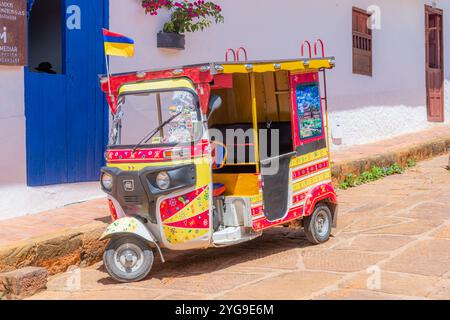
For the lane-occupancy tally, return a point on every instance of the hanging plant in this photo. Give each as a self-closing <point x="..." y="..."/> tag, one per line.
<point x="185" y="16"/>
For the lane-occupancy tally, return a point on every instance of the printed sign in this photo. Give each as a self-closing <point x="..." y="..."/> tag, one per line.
<point x="13" y="32"/>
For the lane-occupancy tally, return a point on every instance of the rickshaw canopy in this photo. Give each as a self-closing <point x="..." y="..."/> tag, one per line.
<point x="200" y="76"/>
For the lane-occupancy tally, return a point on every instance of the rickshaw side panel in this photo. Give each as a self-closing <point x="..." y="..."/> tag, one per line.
<point x="310" y="170"/>
<point x="310" y="183"/>
<point x="185" y="218"/>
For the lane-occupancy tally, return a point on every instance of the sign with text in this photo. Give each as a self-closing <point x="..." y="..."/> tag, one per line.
<point x="13" y="32"/>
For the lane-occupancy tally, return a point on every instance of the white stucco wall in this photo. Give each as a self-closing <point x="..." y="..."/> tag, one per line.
<point x="367" y="109"/>
<point x="12" y="126"/>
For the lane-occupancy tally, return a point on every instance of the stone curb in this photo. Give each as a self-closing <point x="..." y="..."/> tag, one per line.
<point x="80" y="246"/>
<point x="56" y="252"/>
<point x="23" y="282"/>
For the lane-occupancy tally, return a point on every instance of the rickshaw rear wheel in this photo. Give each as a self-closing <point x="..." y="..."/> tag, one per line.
<point x="318" y="225"/>
<point x="128" y="259"/>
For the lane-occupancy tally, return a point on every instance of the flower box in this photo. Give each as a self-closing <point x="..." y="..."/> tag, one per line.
<point x="171" y="40"/>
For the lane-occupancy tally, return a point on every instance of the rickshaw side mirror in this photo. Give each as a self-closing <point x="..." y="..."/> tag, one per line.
<point x="214" y="104"/>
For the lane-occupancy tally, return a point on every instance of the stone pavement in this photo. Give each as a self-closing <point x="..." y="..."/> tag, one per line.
<point x="392" y="242"/>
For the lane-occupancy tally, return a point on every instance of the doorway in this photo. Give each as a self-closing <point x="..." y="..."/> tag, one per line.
<point x="66" y="112"/>
<point x="434" y="63"/>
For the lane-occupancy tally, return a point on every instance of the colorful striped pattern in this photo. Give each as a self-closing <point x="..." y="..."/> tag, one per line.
<point x="307" y="173"/>
<point x="117" y="44"/>
<point x="180" y="219"/>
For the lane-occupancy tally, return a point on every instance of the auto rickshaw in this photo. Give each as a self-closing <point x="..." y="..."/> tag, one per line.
<point x="214" y="154"/>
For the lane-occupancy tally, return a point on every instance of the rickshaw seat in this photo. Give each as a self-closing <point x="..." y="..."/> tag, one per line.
<point x="219" y="189"/>
<point x="285" y="133"/>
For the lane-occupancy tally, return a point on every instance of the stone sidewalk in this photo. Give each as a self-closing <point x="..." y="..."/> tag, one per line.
<point x="67" y="236"/>
<point x="392" y="242"/>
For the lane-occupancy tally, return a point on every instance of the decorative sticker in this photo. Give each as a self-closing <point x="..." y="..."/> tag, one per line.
<point x="186" y="217"/>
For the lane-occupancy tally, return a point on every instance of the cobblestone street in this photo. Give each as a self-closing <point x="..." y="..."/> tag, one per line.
<point x="392" y="242"/>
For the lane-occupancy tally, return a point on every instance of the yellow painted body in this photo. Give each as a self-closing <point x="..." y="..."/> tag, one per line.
<point x="261" y="67"/>
<point x="238" y="184"/>
<point x="157" y="85"/>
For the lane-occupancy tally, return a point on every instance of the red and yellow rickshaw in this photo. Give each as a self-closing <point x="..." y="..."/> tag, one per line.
<point x="214" y="154"/>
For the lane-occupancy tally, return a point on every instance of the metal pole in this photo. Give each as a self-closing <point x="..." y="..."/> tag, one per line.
<point x="326" y="113"/>
<point x="109" y="78"/>
<point x="158" y="103"/>
<point x="255" y="119"/>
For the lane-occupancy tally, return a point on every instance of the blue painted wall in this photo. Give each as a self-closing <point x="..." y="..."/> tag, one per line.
<point x="66" y="114"/>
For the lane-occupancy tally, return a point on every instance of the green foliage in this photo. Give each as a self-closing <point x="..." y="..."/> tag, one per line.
<point x="186" y="16"/>
<point x="411" y="162"/>
<point x="375" y="173"/>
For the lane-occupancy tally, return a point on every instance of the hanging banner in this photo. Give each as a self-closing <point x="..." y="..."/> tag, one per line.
<point x="13" y="32"/>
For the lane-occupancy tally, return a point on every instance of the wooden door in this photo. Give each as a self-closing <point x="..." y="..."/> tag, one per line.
<point x="434" y="63"/>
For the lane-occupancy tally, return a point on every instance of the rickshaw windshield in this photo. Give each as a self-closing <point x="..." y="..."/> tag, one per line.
<point x="141" y="113"/>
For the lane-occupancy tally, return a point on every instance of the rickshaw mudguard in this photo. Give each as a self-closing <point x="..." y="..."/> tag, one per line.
<point x="322" y="193"/>
<point x="132" y="227"/>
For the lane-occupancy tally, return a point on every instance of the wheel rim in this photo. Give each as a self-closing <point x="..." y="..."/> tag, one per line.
<point x="322" y="223"/>
<point x="129" y="258"/>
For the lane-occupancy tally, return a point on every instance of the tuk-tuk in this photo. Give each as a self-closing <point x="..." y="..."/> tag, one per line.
<point x="214" y="154"/>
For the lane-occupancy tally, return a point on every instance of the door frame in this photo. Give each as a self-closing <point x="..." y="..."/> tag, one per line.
<point x="429" y="10"/>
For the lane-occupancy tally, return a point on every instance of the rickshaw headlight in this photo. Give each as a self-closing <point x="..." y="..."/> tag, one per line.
<point x="163" y="180"/>
<point x="107" y="181"/>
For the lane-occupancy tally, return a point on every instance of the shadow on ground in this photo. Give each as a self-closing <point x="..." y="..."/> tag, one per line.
<point x="196" y="262"/>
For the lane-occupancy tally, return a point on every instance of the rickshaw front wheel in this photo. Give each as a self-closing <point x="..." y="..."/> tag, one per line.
<point x="318" y="225"/>
<point x="128" y="259"/>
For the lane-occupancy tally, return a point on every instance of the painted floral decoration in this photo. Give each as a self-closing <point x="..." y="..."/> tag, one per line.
<point x="186" y="16"/>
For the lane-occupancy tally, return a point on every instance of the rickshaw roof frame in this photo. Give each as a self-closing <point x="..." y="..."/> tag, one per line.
<point x="203" y="73"/>
<point x="297" y="64"/>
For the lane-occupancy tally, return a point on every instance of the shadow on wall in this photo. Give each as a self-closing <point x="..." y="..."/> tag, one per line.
<point x="375" y="123"/>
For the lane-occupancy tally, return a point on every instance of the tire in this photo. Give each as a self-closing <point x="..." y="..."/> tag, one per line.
<point x="128" y="259"/>
<point x="318" y="225"/>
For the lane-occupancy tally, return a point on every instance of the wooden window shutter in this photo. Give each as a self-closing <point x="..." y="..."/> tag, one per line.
<point x="362" y="43"/>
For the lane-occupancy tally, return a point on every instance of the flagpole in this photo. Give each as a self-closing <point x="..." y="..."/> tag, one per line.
<point x="109" y="78"/>
<point x="107" y="70"/>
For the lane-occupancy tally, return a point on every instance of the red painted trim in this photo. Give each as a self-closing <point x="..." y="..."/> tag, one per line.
<point x="299" y="211"/>
<point x="238" y="51"/>
<point x="322" y="192"/>
<point x="195" y="74"/>
<point x="156" y="154"/>
<point x="297" y="174"/>
<point x="227" y="54"/>
<point x="303" y="49"/>
<point x="256" y="211"/>
<point x="299" y="198"/>
<point x="263" y="223"/>
<point x="200" y="221"/>
<point x="222" y="81"/>
<point x="112" y="210"/>
<point x="322" y="46"/>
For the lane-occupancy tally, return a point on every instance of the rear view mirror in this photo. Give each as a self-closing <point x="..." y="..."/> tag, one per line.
<point x="214" y="104"/>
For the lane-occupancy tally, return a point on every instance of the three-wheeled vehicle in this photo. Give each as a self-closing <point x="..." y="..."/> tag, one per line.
<point x="213" y="154"/>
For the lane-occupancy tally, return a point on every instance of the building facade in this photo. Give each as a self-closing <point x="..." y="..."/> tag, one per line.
<point x="53" y="127"/>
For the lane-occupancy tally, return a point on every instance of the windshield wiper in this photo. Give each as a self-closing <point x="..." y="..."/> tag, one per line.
<point x="155" y="131"/>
